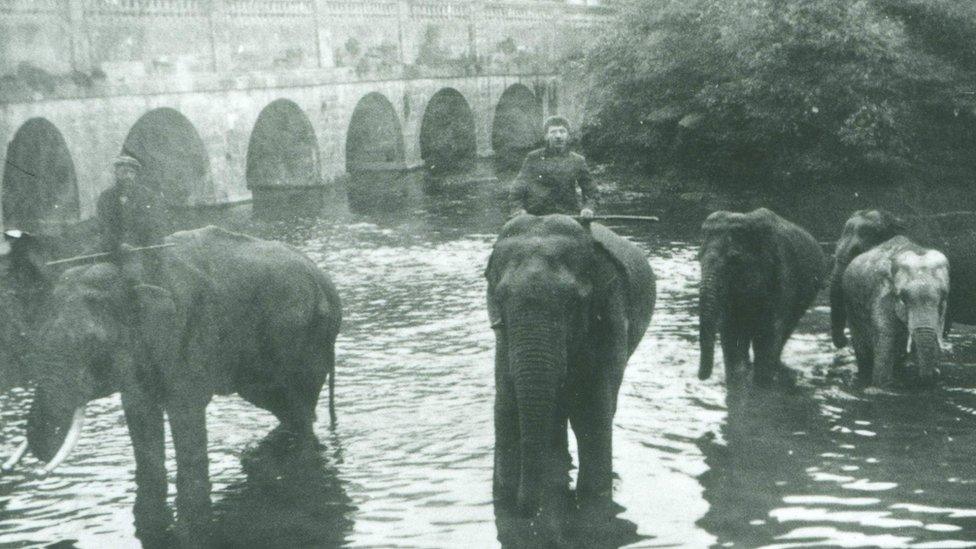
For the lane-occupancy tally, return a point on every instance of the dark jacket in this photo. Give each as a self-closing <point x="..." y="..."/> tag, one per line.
<point x="133" y="215"/>
<point x="547" y="184"/>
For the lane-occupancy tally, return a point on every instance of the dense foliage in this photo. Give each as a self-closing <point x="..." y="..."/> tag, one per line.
<point x="774" y="90"/>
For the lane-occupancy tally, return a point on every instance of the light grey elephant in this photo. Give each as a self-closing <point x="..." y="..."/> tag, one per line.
<point x="896" y="295"/>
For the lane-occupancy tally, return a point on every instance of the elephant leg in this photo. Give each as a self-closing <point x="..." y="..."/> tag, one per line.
<point x="735" y="349"/>
<point x="188" y="423"/>
<point x="863" y="353"/>
<point x="766" y="345"/>
<point x="887" y="353"/>
<point x="300" y="362"/>
<point x="505" y="480"/>
<point x="560" y="444"/>
<point x="592" y="421"/>
<point x="144" y="419"/>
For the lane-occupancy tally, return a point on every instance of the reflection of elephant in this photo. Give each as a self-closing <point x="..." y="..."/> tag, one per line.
<point x="230" y="314"/>
<point x="760" y="273"/>
<point x="292" y="497"/>
<point x="896" y="295"/>
<point x="590" y="527"/>
<point x="568" y="307"/>
<point x="953" y="234"/>
<point x="769" y="443"/>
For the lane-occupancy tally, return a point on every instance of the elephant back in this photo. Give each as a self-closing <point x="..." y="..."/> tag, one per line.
<point x="641" y="282"/>
<point x="810" y="256"/>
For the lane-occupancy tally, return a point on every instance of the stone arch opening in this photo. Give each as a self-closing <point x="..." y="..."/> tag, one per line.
<point x="447" y="136"/>
<point x="173" y="156"/>
<point x="39" y="186"/>
<point x="517" y="126"/>
<point x="374" y="140"/>
<point x="283" y="150"/>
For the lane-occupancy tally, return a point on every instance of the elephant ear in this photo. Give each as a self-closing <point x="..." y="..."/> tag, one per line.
<point x="494" y="315"/>
<point x="888" y="283"/>
<point x="625" y="262"/>
<point x="160" y="323"/>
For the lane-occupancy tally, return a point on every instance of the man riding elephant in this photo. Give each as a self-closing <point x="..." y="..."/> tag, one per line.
<point x="550" y="176"/>
<point x="128" y="211"/>
<point x="131" y="214"/>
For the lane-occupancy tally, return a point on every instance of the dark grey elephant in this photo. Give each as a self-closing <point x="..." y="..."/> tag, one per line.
<point x="568" y="306"/>
<point x="760" y="273"/>
<point x="896" y="301"/>
<point x="227" y="313"/>
<point x="953" y="234"/>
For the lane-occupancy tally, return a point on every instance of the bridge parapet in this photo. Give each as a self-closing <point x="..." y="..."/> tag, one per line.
<point x="85" y="48"/>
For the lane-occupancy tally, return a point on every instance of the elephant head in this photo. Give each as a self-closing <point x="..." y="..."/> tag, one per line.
<point x="547" y="281"/>
<point x="737" y="269"/>
<point x="919" y="285"/>
<point x="84" y="338"/>
<point x="77" y="342"/>
<point x="864" y="230"/>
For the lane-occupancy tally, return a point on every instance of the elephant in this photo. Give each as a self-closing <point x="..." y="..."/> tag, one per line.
<point x="953" y="234"/>
<point x="227" y="313"/>
<point x="896" y="300"/>
<point x="760" y="273"/>
<point x="568" y="306"/>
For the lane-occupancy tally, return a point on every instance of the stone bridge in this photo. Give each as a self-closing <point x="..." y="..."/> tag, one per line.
<point x="221" y="97"/>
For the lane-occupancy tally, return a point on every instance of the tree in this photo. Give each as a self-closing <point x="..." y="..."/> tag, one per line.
<point x="767" y="90"/>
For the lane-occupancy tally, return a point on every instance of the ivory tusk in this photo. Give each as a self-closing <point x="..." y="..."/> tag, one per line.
<point x="909" y="349"/>
<point x="15" y="458"/>
<point x="70" y="440"/>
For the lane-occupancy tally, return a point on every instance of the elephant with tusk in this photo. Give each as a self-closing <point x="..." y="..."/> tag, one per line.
<point x="226" y="313"/>
<point x="952" y="233"/>
<point x="568" y="306"/>
<point x="896" y="301"/>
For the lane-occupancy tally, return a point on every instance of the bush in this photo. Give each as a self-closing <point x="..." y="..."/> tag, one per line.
<point x="773" y="90"/>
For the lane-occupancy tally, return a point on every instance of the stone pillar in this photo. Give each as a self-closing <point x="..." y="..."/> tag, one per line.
<point x="323" y="34"/>
<point x="219" y="37"/>
<point x="475" y="11"/>
<point x="80" y="47"/>
<point x="404" y="37"/>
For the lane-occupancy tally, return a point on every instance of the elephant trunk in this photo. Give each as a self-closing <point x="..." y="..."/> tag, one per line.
<point x="838" y="314"/>
<point x="924" y="333"/>
<point x="537" y="358"/>
<point x="707" y="324"/>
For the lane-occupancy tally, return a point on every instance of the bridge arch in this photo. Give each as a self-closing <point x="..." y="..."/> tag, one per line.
<point x="282" y="150"/>
<point x="173" y="156"/>
<point x="517" y="126"/>
<point x="447" y="134"/>
<point x="39" y="182"/>
<point x="374" y="140"/>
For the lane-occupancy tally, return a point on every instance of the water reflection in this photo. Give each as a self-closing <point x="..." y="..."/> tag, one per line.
<point x="832" y="465"/>
<point x="572" y="528"/>
<point x="292" y="496"/>
<point x="763" y="451"/>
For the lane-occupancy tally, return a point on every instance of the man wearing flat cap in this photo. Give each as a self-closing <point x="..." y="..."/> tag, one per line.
<point x="129" y="212"/>
<point x="549" y="177"/>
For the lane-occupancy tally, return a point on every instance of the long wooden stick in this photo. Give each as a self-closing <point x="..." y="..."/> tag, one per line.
<point x="647" y="218"/>
<point x="103" y="255"/>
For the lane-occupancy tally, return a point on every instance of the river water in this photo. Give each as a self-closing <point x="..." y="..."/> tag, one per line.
<point x="409" y="463"/>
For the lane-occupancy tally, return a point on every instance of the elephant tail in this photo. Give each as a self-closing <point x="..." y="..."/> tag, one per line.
<point x="332" y="412"/>
<point x="329" y="321"/>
